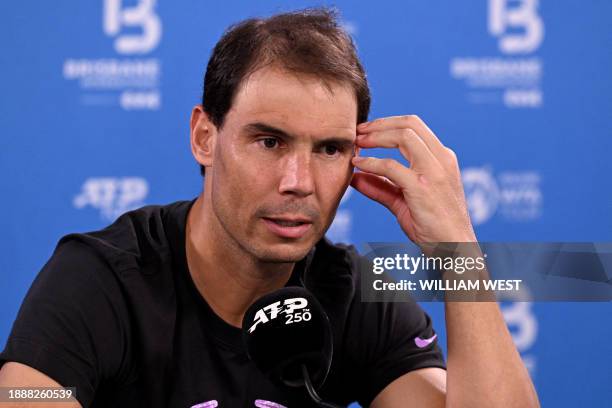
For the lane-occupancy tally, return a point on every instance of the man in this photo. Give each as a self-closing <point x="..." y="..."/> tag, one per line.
<point x="147" y="311"/>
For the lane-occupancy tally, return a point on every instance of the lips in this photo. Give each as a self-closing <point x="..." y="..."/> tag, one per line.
<point x="288" y="227"/>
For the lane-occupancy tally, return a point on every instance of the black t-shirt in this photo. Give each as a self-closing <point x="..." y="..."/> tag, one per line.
<point x="116" y="314"/>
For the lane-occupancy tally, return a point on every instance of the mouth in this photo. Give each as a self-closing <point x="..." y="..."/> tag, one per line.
<point x="288" y="227"/>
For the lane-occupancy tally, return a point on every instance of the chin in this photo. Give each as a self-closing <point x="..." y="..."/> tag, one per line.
<point x="283" y="253"/>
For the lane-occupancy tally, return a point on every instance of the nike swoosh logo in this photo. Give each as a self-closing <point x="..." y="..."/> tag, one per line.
<point x="421" y="343"/>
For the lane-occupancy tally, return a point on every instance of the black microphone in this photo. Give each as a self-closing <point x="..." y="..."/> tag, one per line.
<point x="288" y="336"/>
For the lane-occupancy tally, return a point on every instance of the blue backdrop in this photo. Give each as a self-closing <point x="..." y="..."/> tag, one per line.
<point x="96" y="98"/>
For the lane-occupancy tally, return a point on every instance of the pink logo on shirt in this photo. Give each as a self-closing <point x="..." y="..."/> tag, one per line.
<point x="268" y="404"/>
<point x="207" y="404"/>
<point x="420" y="343"/>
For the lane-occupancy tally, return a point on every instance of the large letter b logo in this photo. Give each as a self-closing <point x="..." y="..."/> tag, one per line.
<point x="142" y="15"/>
<point x="525" y="16"/>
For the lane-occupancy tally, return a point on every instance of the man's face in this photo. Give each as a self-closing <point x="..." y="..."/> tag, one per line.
<point x="282" y="162"/>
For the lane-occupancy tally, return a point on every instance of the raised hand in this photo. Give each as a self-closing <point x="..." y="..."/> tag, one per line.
<point x="427" y="197"/>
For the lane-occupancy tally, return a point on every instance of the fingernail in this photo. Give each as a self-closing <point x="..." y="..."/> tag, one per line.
<point x="358" y="159"/>
<point x="363" y="125"/>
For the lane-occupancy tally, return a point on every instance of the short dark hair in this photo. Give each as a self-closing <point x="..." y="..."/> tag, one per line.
<point x="308" y="41"/>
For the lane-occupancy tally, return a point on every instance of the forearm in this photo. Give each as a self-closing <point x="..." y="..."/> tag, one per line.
<point x="484" y="367"/>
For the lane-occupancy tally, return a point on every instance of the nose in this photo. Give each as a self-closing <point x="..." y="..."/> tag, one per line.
<point x="297" y="175"/>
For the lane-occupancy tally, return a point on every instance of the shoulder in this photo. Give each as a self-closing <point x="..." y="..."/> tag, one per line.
<point x="127" y="265"/>
<point x="139" y="237"/>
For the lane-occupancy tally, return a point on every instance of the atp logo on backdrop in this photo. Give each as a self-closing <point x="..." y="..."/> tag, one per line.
<point x="514" y="195"/>
<point x="130" y="78"/>
<point x="514" y="77"/>
<point x="112" y="196"/>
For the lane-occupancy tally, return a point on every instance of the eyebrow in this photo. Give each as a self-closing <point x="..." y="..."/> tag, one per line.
<point x="260" y="127"/>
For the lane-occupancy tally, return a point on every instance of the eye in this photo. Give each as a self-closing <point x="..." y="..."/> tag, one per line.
<point x="269" y="142"/>
<point x="331" y="150"/>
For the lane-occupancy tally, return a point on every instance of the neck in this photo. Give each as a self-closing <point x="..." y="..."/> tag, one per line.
<point x="227" y="277"/>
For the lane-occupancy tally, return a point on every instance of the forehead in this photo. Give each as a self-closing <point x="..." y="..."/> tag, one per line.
<point x="299" y="103"/>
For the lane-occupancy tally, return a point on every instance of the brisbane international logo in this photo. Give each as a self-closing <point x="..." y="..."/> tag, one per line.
<point x="127" y="74"/>
<point x="512" y="77"/>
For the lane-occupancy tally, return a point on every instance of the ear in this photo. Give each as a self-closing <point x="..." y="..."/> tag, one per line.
<point x="203" y="136"/>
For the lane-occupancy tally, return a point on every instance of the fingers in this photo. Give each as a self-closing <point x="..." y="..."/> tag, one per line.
<point x="378" y="189"/>
<point x="400" y="175"/>
<point x="406" y="121"/>
<point x="388" y="194"/>
<point x="411" y="146"/>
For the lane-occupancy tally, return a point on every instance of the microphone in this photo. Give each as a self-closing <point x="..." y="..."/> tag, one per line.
<point x="288" y="336"/>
